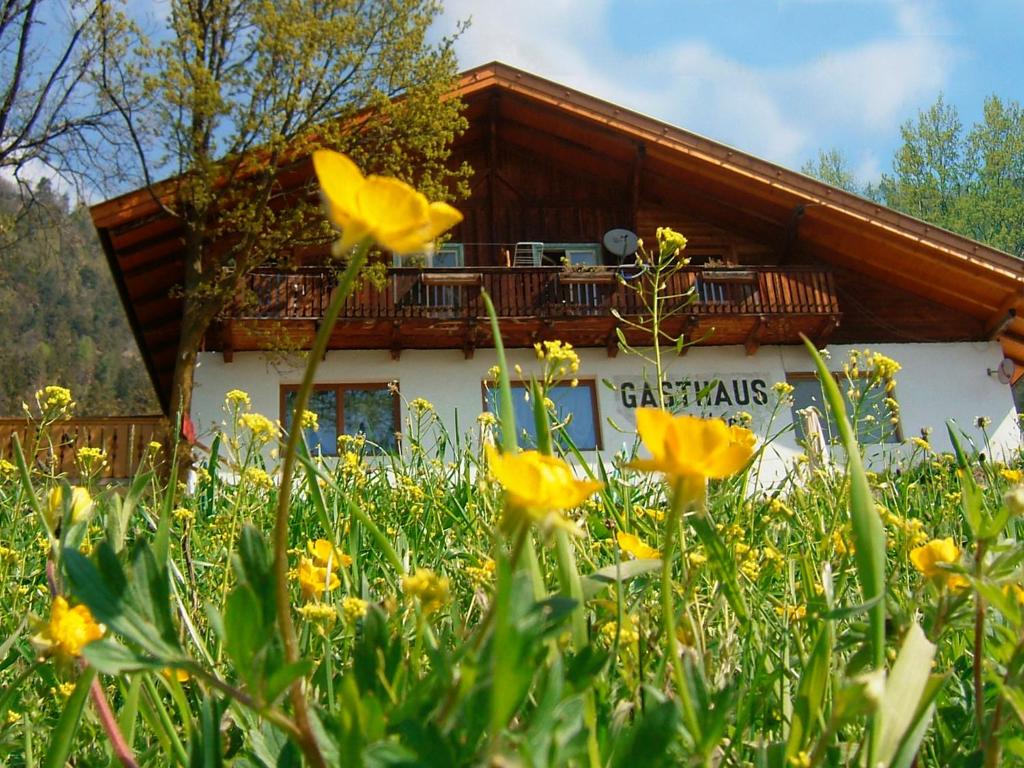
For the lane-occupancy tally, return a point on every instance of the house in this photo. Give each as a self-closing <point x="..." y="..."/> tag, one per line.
<point x="562" y="177"/>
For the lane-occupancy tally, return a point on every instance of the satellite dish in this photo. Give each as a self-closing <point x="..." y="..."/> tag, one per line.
<point x="621" y="242"/>
<point x="1006" y="370"/>
<point x="1004" y="373"/>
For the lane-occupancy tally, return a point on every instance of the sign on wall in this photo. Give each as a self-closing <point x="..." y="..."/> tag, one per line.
<point x="720" y="395"/>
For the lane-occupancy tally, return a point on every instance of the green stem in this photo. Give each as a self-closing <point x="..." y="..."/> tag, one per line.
<point x="680" y="500"/>
<point x="306" y="739"/>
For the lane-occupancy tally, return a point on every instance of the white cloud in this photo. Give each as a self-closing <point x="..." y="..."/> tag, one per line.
<point x="784" y="113"/>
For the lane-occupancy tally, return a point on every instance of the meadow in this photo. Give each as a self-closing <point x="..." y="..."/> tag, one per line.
<point x="468" y="602"/>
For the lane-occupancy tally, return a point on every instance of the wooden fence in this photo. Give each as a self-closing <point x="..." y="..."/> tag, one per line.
<point x="124" y="439"/>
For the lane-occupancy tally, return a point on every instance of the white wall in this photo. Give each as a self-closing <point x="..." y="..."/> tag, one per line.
<point x="937" y="382"/>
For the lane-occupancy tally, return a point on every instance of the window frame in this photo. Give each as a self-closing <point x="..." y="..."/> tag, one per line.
<point x="339" y="417"/>
<point x="591" y="383"/>
<point x="566" y="248"/>
<point x="839" y="377"/>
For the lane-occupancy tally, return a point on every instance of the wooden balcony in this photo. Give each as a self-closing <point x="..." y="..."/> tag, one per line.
<point x="442" y="308"/>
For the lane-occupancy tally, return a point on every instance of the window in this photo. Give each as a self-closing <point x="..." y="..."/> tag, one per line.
<point x="347" y="409"/>
<point x="579" y="402"/>
<point x="443" y="297"/>
<point x="874" y="416"/>
<point x="447" y="255"/>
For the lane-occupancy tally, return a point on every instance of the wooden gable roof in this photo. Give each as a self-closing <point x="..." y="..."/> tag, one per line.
<point x="654" y="167"/>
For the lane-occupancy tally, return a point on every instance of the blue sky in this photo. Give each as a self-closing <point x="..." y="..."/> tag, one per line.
<point x="777" y="78"/>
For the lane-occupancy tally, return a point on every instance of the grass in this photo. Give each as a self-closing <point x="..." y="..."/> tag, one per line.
<point x="490" y="659"/>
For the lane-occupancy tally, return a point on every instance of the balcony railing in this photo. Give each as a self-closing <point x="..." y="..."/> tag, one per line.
<point x="540" y="292"/>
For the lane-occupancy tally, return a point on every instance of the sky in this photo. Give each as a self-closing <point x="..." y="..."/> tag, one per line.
<point x="780" y="79"/>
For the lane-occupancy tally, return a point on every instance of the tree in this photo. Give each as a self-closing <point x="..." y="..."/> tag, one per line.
<point x="994" y="209"/>
<point x="930" y="175"/>
<point x="239" y="92"/>
<point x="832" y="167"/>
<point x="50" y="116"/>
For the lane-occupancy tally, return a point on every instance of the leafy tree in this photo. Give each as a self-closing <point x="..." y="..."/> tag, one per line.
<point x="930" y="175"/>
<point x="994" y="207"/>
<point x="237" y="93"/>
<point x="50" y="115"/>
<point x="968" y="182"/>
<point x="832" y="167"/>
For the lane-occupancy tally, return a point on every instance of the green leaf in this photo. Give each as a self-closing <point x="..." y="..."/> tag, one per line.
<point x="918" y="727"/>
<point x="151" y="591"/>
<point x="646" y="742"/>
<point x="810" y="694"/>
<point x="63" y="737"/>
<point x="868" y="536"/>
<point x="204" y="746"/>
<point x="103" y="592"/>
<point x="506" y="415"/>
<point x="721" y="562"/>
<point x="243" y="627"/>
<point x="316" y="495"/>
<point x="282" y="677"/>
<point x="970" y="494"/>
<point x="112" y="658"/>
<point x="905" y="689"/>
<point x="622" y="572"/>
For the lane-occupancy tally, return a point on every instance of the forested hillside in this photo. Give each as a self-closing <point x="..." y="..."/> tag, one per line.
<point x="61" y="318"/>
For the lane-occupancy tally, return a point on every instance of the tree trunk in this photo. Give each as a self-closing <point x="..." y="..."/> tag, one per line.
<point x="196" y="316"/>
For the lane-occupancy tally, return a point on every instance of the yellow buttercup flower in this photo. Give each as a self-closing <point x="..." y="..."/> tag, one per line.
<point x="632" y="545"/>
<point x="538" y="484"/>
<point x="1012" y="475"/>
<point x="928" y="557"/>
<point x="324" y="552"/>
<point x="430" y="589"/>
<point x="689" y="446"/>
<point x="68" y="631"/>
<point x="314" y="580"/>
<point x="81" y="505"/>
<point x="387" y="210"/>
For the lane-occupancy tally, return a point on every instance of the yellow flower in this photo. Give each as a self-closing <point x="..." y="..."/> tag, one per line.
<point x="536" y="483"/>
<point x="309" y="420"/>
<point x="176" y="673"/>
<point x="262" y="428"/>
<point x="928" y="557"/>
<point x="68" y="630"/>
<point x="236" y="397"/>
<point x="325" y="554"/>
<point x="354" y="609"/>
<point x="387" y="210"/>
<point x="429" y="588"/>
<point x="81" y="505"/>
<point x="690" y="446"/>
<point x="314" y="580"/>
<point x="632" y="545"/>
<point x="670" y="242"/>
<point x="1012" y="475"/>
<point x="318" y="612"/>
<point x="697" y="559"/>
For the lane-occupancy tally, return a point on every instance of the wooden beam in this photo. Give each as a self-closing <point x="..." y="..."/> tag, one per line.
<point x="829" y="324"/>
<point x="469" y="341"/>
<point x="1003" y="316"/>
<point x="611" y="344"/>
<point x="396" y="342"/>
<point x="754" y="339"/>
